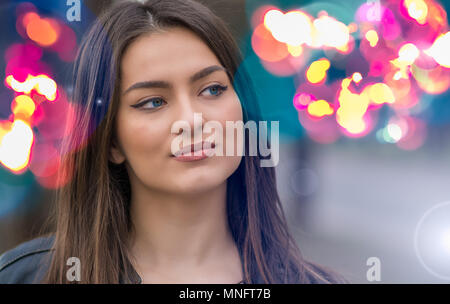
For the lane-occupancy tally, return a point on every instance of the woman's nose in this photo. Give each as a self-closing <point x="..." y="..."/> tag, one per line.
<point x="189" y="113"/>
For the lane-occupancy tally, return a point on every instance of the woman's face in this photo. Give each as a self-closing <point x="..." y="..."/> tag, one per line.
<point x="146" y="112"/>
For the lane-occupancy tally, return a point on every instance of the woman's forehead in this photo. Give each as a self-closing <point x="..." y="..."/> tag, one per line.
<point x="159" y="55"/>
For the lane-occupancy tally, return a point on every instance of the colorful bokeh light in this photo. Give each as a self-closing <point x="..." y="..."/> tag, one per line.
<point x="393" y="53"/>
<point x="40" y="111"/>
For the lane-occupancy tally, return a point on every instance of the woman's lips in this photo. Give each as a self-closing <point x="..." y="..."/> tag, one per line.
<point x="195" y="152"/>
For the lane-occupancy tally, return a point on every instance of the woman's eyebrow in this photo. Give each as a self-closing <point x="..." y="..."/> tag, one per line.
<point x="166" y="85"/>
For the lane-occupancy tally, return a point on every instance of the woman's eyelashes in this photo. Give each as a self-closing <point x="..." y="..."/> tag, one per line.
<point x="217" y="89"/>
<point x="154" y="103"/>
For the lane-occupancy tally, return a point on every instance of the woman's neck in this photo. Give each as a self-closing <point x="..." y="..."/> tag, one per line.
<point x="180" y="235"/>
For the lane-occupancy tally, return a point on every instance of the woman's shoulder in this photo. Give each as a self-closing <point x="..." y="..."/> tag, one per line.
<point x="27" y="262"/>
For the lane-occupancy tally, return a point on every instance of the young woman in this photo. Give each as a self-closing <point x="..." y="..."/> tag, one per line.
<point x="132" y="212"/>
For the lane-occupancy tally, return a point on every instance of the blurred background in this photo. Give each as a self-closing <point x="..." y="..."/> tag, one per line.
<point x="361" y="91"/>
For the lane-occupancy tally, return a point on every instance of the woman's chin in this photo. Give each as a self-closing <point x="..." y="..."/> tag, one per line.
<point x="195" y="184"/>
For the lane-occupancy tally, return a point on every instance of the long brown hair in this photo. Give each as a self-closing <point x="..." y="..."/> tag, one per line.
<point x="92" y="211"/>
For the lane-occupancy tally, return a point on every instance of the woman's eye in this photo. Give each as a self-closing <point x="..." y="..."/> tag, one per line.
<point x="150" y="103"/>
<point x="153" y="103"/>
<point x="215" y="90"/>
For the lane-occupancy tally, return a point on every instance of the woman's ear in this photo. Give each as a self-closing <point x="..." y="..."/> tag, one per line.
<point x="115" y="153"/>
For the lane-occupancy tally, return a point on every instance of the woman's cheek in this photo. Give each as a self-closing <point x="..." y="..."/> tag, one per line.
<point x="148" y="141"/>
<point x="141" y="139"/>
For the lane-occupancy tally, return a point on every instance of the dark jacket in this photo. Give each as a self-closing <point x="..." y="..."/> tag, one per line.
<point x="26" y="263"/>
<point x="29" y="262"/>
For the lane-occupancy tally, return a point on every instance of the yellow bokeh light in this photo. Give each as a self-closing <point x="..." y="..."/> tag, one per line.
<point x="352" y="108"/>
<point x="41" y="83"/>
<point x="398" y="75"/>
<point x="357" y="77"/>
<point x="317" y="71"/>
<point x="331" y="33"/>
<point x="380" y="93"/>
<point x="372" y="37"/>
<point x="408" y="53"/>
<point x="440" y="50"/>
<point x="23" y="104"/>
<point x="15" y="146"/>
<point x="417" y="9"/>
<point x="434" y="81"/>
<point x="5" y="127"/>
<point x="320" y="108"/>
<point x="297" y="28"/>
<point x="293" y="28"/>
<point x="295" y="51"/>
<point x="271" y="18"/>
